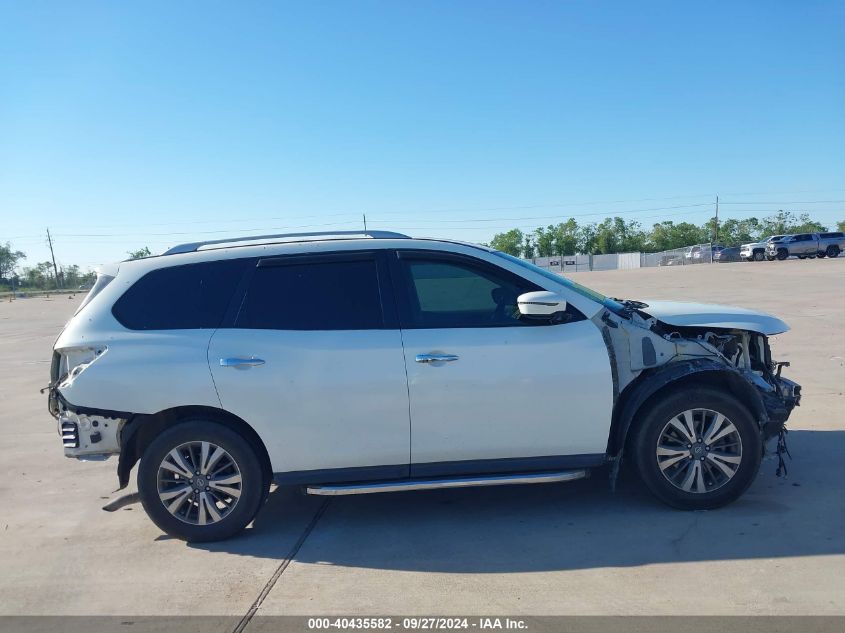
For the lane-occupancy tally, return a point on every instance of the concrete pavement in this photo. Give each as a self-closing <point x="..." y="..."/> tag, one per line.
<point x="552" y="549"/>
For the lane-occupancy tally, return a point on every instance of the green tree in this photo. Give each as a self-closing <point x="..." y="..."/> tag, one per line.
<point x="40" y="276"/>
<point x="528" y="247"/>
<point x="71" y="276"/>
<point x="9" y="260"/>
<point x="807" y="225"/>
<point x="787" y="222"/>
<point x="544" y="239"/>
<point x="586" y="238"/>
<point x="840" y="226"/>
<point x="667" y="235"/>
<point x="557" y="239"/>
<point x="510" y="242"/>
<point x="140" y="253"/>
<point x="735" y="232"/>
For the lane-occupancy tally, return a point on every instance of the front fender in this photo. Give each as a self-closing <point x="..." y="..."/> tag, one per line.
<point x="651" y="382"/>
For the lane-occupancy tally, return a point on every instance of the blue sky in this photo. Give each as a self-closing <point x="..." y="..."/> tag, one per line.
<point x="131" y="124"/>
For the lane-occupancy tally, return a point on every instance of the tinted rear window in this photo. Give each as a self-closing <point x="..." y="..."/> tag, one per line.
<point x="194" y="296"/>
<point x="835" y="234"/>
<point x="331" y="295"/>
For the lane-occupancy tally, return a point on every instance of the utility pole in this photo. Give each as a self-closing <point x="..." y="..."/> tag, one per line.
<point x="716" y="228"/>
<point x="365" y="222"/>
<point x="55" y="268"/>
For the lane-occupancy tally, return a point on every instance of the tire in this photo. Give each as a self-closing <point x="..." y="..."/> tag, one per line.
<point x="758" y="256"/>
<point x="235" y="499"/>
<point x="667" y="482"/>
<point x="832" y="251"/>
<point x="813" y="256"/>
<point x="782" y="254"/>
<point x="802" y="257"/>
<point x="822" y="254"/>
<point x="770" y="258"/>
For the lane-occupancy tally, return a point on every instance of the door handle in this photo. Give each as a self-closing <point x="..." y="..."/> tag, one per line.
<point x="435" y="358"/>
<point x="240" y="362"/>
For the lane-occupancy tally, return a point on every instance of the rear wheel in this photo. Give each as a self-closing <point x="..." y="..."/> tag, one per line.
<point x="822" y="254"/>
<point x="832" y="251"/>
<point x="201" y="481"/>
<point x="782" y="254"/>
<point x="697" y="449"/>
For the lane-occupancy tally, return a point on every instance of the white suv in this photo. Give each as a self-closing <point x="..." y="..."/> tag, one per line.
<point x="373" y="362"/>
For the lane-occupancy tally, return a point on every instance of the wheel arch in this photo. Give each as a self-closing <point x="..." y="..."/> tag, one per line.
<point x="144" y="428"/>
<point x="650" y="386"/>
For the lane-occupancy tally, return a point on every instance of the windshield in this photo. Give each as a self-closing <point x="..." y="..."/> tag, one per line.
<point x="581" y="290"/>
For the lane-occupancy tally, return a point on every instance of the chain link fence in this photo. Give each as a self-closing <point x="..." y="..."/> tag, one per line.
<point x="696" y="254"/>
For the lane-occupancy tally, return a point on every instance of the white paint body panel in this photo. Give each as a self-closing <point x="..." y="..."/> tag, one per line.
<point x="323" y="399"/>
<point x="683" y="314"/>
<point x="343" y="399"/>
<point x="513" y="392"/>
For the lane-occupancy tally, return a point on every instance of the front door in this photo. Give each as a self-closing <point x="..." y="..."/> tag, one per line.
<point x="314" y="364"/>
<point x="490" y="391"/>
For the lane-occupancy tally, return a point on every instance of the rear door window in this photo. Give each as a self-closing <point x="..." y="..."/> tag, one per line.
<point x="313" y="293"/>
<point x="193" y="296"/>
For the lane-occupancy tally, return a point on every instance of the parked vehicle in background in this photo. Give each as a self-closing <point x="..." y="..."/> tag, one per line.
<point x="756" y="251"/>
<point x="728" y="254"/>
<point x="801" y="245"/>
<point x="831" y="244"/>
<point x="705" y="253"/>
<point x="672" y="259"/>
<point x="374" y="362"/>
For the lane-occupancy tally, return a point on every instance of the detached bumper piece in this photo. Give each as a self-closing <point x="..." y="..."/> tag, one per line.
<point x="69" y="430"/>
<point x="89" y="437"/>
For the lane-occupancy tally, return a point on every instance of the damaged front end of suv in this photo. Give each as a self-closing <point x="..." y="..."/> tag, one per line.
<point x="657" y="346"/>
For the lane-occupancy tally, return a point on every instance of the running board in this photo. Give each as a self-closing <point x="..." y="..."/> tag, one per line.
<point x="453" y="482"/>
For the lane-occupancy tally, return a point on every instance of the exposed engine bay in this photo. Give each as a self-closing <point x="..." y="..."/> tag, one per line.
<point x="649" y="354"/>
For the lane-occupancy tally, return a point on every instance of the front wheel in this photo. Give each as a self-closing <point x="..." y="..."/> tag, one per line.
<point x="201" y="481"/>
<point x="782" y="254"/>
<point x="697" y="449"/>
<point x="833" y="250"/>
<point x="758" y="256"/>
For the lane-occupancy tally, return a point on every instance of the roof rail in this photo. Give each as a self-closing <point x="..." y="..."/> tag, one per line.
<point x="281" y="237"/>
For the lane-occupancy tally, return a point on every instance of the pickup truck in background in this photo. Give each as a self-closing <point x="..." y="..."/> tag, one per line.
<point x="801" y="245"/>
<point x="756" y="251"/>
<point x="831" y="244"/>
<point x="807" y="246"/>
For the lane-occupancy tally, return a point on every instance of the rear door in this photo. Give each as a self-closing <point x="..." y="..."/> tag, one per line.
<point x="313" y="361"/>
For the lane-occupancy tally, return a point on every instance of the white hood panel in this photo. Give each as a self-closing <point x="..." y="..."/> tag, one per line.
<point x="683" y="314"/>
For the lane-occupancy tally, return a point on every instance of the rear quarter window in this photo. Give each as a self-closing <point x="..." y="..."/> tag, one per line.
<point x="193" y="296"/>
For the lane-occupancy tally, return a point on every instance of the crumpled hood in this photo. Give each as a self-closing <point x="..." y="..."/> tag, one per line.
<point x="683" y="314"/>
